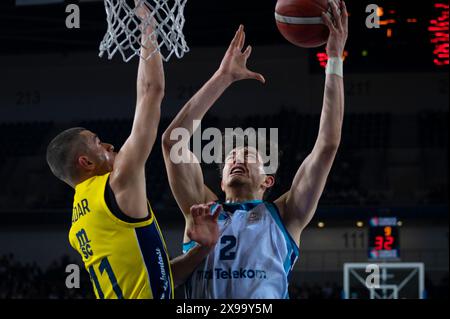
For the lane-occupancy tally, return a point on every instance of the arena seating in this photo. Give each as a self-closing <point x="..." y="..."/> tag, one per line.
<point x="361" y="133"/>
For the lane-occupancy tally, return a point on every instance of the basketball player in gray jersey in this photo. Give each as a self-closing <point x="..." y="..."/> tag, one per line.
<point x="259" y="240"/>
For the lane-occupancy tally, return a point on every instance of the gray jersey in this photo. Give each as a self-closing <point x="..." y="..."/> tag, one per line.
<point x="252" y="259"/>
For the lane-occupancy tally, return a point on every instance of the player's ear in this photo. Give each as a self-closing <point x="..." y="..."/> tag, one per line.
<point x="85" y="163"/>
<point x="269" y="181"/>
<point x="221" y="185"/>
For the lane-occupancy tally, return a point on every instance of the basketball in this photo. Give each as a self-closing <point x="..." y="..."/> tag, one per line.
<point x="300" y="22"/>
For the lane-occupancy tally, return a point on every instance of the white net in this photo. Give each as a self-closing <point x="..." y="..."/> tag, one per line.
<point x="127" y="21"/>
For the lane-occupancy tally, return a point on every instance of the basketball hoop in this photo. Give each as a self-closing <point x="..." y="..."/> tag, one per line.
<point x="126" y="24"/>
<point x="398" y="280"/>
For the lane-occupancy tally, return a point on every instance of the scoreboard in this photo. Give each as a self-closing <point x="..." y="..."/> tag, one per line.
<point x="407" y="37"/>
<point x="383" y="238"/>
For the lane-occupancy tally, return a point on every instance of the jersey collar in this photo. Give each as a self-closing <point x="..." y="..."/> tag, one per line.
<point x="247" y="205"/>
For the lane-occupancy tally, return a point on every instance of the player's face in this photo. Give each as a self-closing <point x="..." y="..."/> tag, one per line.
<point x="100" y="153"/>
<point x="243" y="166"/>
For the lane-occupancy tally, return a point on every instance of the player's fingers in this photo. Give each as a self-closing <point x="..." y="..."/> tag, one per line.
<point x="217" y="212"/>
<point x="327" y="21"/>
<point x="195" y="210"/>
<point x="199" y="211"/>
<point x="239" y="36"/>
<point x="256" y="76"/>
<point x="210" y="204"/>
<point x="336" y="15"/>
<point x="207" y="209"/>
<point x="235" y="39"/>
<point x="344" y="16"/>
<point x="203" y="209"/>
<point x="242" y="39"/>
<point x="248" y="52"/>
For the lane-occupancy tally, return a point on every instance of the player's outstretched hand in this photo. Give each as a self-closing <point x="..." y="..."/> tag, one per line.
<point x="337" y="23"/>
<point x="234" y="63"/>
<point x="204" y="229"/>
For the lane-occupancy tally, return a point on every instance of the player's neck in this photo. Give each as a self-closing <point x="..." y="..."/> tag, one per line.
<point x="82" y="179"/>
<point x="236" y="196"/>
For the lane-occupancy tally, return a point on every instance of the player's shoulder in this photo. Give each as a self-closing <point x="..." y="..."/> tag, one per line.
<point x="92" y="186"/>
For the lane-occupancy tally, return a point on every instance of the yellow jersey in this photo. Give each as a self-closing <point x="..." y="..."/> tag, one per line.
<point x="126" y="258"/>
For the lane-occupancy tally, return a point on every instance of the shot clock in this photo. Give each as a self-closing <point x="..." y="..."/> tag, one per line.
<point x="383" y="238"/>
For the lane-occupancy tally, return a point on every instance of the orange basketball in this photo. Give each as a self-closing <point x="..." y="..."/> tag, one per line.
<point x="300" y="21"/>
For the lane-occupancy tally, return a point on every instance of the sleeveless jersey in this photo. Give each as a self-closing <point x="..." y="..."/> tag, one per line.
<point x="125" y="258"/>
<point x="252" y="259"/>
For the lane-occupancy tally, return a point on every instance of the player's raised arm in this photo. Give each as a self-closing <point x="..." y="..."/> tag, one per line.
<point x="299" y="204"/>
<point x="150" y="92"/>
<point x="128" y="176"/>
<point x="186" y="179"/>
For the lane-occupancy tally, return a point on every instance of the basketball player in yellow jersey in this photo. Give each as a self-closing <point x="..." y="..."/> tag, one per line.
<point x="113" y="226"/>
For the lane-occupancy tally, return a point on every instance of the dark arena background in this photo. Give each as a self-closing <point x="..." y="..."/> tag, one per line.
<point x="386" y="199"/>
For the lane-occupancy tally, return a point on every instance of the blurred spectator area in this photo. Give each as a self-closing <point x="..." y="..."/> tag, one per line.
<point x="365" y="170"/>
<point x="20" y="280"/>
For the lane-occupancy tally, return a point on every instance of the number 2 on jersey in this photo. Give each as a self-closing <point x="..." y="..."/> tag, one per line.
<point x="229" y="243"/>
